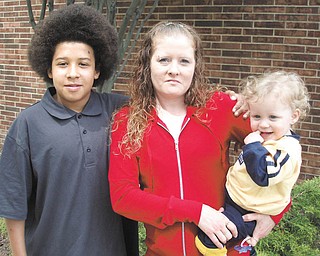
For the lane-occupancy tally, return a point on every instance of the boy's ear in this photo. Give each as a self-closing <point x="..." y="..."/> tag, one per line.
<point x="96" y="74"/>
<point x="97" y="71"/>
<point x="49" y="73"/>
<point x="295" y="116"/>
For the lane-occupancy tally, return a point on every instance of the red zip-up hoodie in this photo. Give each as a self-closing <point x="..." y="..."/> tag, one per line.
<point x="166" y="182"/>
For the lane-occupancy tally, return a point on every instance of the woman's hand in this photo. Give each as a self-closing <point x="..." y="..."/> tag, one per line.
<point x="264" y="226"/>
<point x="216" y="226"/>
<point x="241" y="105"/>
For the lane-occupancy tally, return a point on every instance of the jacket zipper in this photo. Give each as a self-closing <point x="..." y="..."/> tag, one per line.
<point x="176" y="146"/>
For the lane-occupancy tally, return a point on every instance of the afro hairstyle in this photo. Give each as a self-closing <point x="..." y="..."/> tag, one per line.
<point x="74" y="23"/>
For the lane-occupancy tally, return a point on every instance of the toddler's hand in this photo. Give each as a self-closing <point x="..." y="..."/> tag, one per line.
<point x="253" y="137"/>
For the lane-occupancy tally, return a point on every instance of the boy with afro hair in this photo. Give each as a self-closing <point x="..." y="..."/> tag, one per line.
<point x="54" y="191"/>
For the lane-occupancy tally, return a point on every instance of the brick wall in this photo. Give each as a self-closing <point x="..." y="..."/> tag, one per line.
<point x="241" y="37"/>
<point x="19" y="86"/>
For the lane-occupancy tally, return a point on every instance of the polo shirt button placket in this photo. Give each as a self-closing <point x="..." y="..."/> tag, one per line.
<point x="81" y="120"/>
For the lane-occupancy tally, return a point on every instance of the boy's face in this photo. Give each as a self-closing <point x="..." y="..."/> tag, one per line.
<point x="272" y="117"/>
<point x="73" y="73"/>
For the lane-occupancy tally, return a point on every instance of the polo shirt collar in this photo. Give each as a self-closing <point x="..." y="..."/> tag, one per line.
<point x="54" y="108"/>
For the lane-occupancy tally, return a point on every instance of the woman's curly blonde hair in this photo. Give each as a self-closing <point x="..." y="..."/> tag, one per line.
<point x="142" y="94"/>
<point x="286" y="86"/>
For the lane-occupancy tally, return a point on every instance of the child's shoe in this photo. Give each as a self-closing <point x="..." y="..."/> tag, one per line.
<point x="244" y="247"/>
<point x="207" y="251"/>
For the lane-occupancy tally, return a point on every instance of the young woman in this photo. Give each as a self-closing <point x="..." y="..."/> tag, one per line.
<point x="169" y="151"/>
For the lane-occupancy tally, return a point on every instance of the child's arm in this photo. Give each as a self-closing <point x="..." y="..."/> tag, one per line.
<point x="254" y="156"/>
<point x="15" y="229"/>
<point x="266" y="164"/>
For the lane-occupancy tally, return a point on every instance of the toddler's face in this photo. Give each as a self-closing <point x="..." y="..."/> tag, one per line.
<point x="272" y="117"/>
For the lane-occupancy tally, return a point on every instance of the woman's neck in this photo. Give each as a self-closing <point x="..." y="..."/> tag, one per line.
<point x="173" y="107"/>
<point x="172" y="115"/>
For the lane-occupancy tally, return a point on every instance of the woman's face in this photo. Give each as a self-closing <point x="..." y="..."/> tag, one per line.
<point x="73" y="73"/>
<point x="172" y="66"/>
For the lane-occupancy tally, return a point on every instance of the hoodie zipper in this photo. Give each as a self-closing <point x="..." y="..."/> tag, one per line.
<point x="176" y="146"/>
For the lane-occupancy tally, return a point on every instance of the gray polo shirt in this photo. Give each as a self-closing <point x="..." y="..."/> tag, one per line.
<point x="53" y="174"/>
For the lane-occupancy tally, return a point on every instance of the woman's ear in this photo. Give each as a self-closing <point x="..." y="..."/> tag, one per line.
<point x="295" y="116"/>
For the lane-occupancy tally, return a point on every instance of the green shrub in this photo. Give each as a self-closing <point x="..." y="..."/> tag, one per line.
<point x="298" y="233"/>
<point x="3" y="230"/>
<point x="142" y="238"/>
